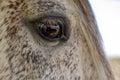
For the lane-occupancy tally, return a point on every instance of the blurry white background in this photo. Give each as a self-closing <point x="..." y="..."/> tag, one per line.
<point x="107" y="13"/>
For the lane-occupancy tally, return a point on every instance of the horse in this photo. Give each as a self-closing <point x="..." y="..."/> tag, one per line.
<point x="51" y="40"/>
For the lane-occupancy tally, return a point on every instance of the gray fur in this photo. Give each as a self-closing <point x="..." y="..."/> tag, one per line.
<point x="24" y="55"/>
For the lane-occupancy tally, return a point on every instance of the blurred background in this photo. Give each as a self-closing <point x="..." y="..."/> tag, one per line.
<point x="107" y="13"/>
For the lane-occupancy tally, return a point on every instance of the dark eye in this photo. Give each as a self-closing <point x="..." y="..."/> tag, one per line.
<point x="51" y="28"/>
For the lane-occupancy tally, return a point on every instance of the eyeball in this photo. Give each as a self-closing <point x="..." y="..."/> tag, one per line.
<point x="51" y="28"/>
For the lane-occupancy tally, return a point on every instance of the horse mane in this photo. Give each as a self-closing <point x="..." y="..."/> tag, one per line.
<point x="93" y="39"/>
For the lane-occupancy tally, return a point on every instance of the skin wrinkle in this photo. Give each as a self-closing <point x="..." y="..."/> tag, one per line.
<point x="24" y="55"/>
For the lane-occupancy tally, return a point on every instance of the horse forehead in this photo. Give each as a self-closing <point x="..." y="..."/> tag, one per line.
<point x="32" y="7"/>
<point x="47" y="3"/>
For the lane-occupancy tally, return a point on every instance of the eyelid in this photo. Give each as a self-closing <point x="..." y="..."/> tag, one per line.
<point x="62" y="18"/>
<point x="47" y="14"/>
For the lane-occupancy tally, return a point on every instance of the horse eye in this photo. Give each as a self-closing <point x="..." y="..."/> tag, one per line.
<point x="51" y="28"/>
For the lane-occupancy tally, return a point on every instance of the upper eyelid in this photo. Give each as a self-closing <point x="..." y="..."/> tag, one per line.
<point x="61" y="16"/>
<point x="43" y="15"/>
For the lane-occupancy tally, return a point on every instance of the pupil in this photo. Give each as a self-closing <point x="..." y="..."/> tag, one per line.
<point x="51" y="31"/>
